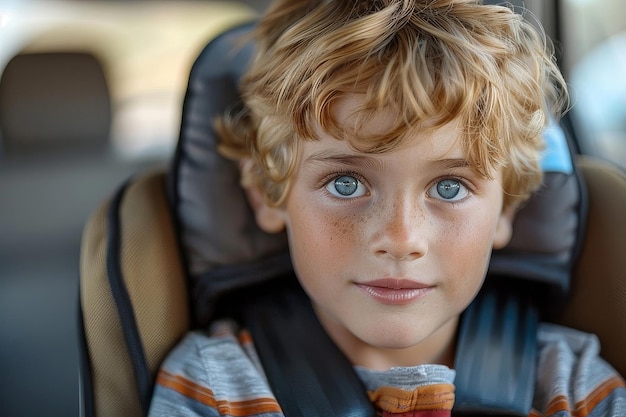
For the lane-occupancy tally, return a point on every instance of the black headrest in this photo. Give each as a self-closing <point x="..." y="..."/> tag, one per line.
<point x="548" y="230"/>
<point x="222" y="243"/>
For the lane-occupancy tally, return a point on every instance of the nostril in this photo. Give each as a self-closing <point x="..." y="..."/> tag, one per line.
<point x="400" y="255"/>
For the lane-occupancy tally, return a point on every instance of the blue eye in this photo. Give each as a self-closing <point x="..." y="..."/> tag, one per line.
<point x="448" y="190"/>
<point x="346" y="186"/>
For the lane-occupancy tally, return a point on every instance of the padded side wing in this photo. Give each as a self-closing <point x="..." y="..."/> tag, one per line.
<point x="549" y="228"/>
<point x="215" y="224"/>
<point x="597" y="303"/>
<point x="152" y="277"/>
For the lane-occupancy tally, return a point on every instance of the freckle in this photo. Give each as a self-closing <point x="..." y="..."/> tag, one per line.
<point x="344" y="226"/>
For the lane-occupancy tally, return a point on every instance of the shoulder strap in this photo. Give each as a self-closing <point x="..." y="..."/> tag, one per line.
<point x="310" y="376"/>
<point x="496" y="354"/>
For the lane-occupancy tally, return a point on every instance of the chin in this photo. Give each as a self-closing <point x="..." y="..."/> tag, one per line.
<point x="396" y="337"/>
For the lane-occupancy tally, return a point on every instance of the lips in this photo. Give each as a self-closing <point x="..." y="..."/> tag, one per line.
<point x="393" y="291"/>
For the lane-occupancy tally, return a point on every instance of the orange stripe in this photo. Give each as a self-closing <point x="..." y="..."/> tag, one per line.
<point x="205" y="396"/>
<point x="584" y="407"/>
<point x="245" y="337"/>
<point x="558" y="403"/>
<point x="431" y="397"/>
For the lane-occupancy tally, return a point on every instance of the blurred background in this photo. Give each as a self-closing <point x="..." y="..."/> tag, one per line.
<point x="91" y="92"/>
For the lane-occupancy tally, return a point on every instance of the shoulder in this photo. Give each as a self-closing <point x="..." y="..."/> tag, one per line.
<point x="573" y="378"/>
<point x="208" y="355"/>
<point x="215" y="373"/>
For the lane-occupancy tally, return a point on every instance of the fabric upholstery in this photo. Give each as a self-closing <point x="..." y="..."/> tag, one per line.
<point x="156" y="284"/>
<point x="114" y="387"/>
<point x="597" y="302"/>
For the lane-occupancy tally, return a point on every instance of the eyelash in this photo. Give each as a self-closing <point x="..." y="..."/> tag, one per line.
<point x="336" y="174"/>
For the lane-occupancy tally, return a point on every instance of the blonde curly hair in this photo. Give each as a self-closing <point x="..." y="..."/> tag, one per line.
<point x="427" y="62"/>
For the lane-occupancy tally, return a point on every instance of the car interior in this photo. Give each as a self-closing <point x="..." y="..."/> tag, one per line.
<point x="160" y="255"/>
<point x="120" y="257"/>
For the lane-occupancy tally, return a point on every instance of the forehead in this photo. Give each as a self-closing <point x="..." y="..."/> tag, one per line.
<point x="357" y="121"/>
<point x="351" y="112"/>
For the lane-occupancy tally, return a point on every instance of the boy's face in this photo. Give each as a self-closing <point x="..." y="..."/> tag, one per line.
<point x="390" y="248"/>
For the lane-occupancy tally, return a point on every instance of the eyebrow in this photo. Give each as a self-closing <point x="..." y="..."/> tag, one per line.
<point x="326" y="157"/>
<point x="452" y="163"/>
<point x="345" y="159"/>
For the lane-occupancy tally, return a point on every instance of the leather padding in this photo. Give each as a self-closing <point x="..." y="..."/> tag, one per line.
<point x="545" y="235"/>
<point x="216" y="224"/>
<point x="597" y="302"/>
<point x="155" y="282"/>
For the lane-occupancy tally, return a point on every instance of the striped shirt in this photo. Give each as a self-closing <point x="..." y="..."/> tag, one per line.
<point x="219" y="374"/>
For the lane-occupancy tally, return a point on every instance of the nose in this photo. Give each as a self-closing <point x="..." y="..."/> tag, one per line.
<point x="402" y="231"/>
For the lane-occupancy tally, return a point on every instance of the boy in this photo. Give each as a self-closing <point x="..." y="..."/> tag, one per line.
<point x="393" y="140"/>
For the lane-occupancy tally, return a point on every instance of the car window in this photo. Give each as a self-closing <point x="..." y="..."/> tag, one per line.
<point x="593" y="43"/>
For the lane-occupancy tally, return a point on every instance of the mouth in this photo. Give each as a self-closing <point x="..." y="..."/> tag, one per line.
<point x="393" y="291"/>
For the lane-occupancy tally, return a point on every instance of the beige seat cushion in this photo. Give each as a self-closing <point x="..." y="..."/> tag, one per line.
<point x="598" y="299"/>
<point x="154" y="277"/>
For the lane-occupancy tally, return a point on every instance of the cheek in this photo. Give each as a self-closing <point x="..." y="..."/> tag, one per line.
<point x="321" y="239"/>
<point x="465" y="248"/>
<point x="472" y="230"/>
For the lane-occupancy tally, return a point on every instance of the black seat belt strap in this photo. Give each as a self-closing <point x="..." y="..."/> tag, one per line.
<point x="496" y="354"/>
<point x="308" y="374"/>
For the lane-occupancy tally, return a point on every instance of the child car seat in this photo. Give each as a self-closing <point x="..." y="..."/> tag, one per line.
<point x="158" y="257"/>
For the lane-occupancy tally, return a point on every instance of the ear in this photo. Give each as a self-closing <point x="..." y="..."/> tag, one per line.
<point x="270" y="219"/>
<point x="504" y="228"/>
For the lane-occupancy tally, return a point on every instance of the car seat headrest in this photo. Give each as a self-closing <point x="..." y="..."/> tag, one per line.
<point x="218" y="234"/>
<point x="547" y="231"/>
